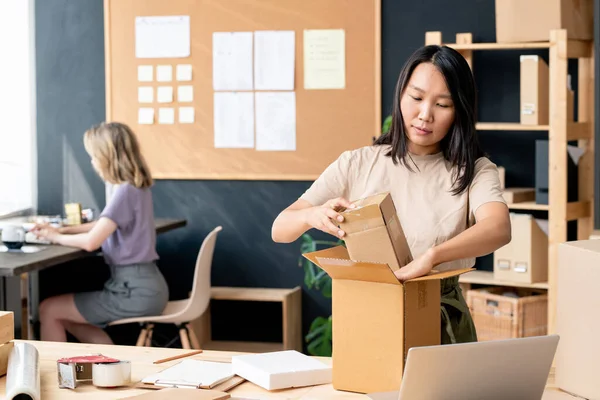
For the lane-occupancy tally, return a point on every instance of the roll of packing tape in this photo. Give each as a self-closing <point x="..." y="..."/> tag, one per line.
<point x="111" y="374"/>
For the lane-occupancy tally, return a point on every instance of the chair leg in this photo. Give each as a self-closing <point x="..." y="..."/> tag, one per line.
<point x="142" y="337"/>
<point x="193" y="337"/>
<point x="149" y="337"/>
<point x="185" y="339"/>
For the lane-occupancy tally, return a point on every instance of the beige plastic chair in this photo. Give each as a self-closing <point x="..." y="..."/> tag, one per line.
<point x="182" y="312"/>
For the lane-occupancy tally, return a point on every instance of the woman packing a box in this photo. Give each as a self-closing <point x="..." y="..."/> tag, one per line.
<point x="125" y="231"/>
<point x="446" y="192"/>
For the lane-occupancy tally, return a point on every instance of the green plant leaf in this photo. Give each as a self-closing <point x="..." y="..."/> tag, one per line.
<point x="319" y="338"/>
<point x="387" y="123"/>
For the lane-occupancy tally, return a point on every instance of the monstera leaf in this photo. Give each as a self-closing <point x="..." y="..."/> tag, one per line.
<point x="319" y="338"/>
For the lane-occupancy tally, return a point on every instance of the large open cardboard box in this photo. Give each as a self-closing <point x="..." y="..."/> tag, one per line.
<point x="578" y="354"/>
<point x="376" y="319"/>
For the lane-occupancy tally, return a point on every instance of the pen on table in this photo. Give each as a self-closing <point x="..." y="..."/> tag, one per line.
<point x="192" y="353"/>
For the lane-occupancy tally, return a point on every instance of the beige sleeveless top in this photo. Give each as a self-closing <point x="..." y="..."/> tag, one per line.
<point x="428" y="212"/>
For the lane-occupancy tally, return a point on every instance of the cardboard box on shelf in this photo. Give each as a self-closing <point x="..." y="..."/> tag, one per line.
<point x="534" y="86"/>
<point x="578" y="354"/>
<point x="7" y="334"/>
<point x="374" y="233"/>
<point x="518" y="195"/>
<point x="515" y="22"/>
<point x="525" y="258"/>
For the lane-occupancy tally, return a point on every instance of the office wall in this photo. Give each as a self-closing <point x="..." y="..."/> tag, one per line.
<point x="70" y="97"/>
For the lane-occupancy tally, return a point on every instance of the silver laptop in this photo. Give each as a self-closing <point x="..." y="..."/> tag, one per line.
<point x="515" y="369"/>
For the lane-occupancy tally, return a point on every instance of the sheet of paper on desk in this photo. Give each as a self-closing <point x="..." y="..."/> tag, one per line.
<point x="276" y="121"/>
<point x="232" y="61"/>
<point x="234" y="120"/>
<point x="205" y="374"/>
<point x="162" y="37"/>
<point x="274" y="55"/>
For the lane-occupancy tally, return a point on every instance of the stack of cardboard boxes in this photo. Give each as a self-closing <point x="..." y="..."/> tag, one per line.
<point x="7" y="334"/>
<point x="376" y="318"/>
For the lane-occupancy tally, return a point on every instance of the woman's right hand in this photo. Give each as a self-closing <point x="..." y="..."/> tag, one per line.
<point x="325" y="217"/>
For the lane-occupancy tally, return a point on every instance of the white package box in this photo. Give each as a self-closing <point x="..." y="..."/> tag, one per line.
<point x="281" y="369"/>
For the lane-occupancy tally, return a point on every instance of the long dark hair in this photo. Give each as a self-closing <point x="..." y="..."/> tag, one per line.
<point x="461" y="145"/>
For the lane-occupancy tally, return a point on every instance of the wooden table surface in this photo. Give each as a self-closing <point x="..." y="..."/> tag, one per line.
<point x="14" y="264"/>
<point x="141" y="359"/>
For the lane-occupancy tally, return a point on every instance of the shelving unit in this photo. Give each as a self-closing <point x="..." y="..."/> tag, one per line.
<point x="560" y="132"/>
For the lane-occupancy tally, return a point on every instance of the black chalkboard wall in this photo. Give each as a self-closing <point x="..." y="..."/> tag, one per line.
<point x="70" y="98"/>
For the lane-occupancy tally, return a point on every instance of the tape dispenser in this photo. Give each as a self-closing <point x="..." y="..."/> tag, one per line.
<point x="103" y="371"/>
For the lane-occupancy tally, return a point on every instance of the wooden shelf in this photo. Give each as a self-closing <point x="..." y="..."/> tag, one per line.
<point x="509" y="126"/>
<point x="499" y="46"/>
<point x="487" y="278"/>
<point x="529" y="205"/>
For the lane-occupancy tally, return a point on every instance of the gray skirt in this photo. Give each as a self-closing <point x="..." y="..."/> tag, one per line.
<point x="135" y="290"/>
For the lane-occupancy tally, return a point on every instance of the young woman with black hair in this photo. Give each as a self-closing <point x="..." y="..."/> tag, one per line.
<point x="446" y="192"/>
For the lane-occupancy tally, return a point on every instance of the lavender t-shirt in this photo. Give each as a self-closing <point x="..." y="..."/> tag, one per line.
<point x="134" y="241"/>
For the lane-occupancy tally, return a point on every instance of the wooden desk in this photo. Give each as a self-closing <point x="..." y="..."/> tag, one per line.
<point x="141" y="365"/>
<point x="23" y="265"/>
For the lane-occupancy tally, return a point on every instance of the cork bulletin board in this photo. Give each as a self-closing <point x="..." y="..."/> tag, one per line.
<point x="328" y="121"/>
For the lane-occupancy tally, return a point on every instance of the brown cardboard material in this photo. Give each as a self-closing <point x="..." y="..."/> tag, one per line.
<point x="534" y="83"/>
<point x="578" y="354"/>
<point x="532" y="20"/>
<point x="376" y="319"/>
<point x="7" y="326"/>
<point x="5" y="350"/>
<point x="518" y="195"/>
<point x="525" y="258"/>
<point x="374" y="233"/>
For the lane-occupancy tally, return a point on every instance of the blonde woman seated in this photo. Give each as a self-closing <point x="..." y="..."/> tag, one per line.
<point x="125" y="231"/>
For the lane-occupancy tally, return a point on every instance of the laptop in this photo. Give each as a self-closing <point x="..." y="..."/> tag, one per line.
<point x="515" y="369"/>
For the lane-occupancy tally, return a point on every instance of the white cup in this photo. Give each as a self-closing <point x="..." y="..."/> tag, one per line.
<point x="13" y="236"/>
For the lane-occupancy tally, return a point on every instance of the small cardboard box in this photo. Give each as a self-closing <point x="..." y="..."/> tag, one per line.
<point x="376" y="319"/>
<point x="518" y="195"/>
<point x="525" y="258"/>
<point x="578" y="354"/>
<point x="532" y="20"/>
<point x="373" y="232"/>
<point x="534" y="84"/>
<point x="7" y="326"/>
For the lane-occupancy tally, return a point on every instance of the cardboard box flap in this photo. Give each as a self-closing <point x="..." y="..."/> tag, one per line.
<point x="336" y="262"/>
<point x="338" y="268"/>
<point x="442" y="275"/>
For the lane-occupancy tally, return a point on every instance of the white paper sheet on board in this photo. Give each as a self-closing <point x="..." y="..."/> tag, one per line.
<point x="232" y="61"/>
<point x="234" y="119"/>
<point x="274" y="56"/>
<point x="164" y="94"/>
<point x="164" y="73"/>
<point x="166" y="115"/>
<point x="145" y="73"/>
<point x="146" y="116"/>
<point x="184" y="72"/>
<point x="162" y="37"/>
<point x="276" y="121"/>
<point x="186" y="115"/>
<point x="324" y="59"/>
<point x="185" y="94"/>
<point x="145" y="94"/>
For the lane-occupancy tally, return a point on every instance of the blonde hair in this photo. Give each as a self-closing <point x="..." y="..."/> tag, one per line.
<point x="117" y="154"/>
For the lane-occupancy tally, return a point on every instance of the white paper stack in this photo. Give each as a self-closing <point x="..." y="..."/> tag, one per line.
<point x="281" y="370"/>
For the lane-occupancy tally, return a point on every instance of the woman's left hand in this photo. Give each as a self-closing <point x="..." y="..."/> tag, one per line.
<point x="48" y="233"/>
<point x="418" y="267"/>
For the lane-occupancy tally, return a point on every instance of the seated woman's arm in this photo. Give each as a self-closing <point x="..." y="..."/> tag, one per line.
<point x="88" y="241"/>
<point x="75" y="229"/>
